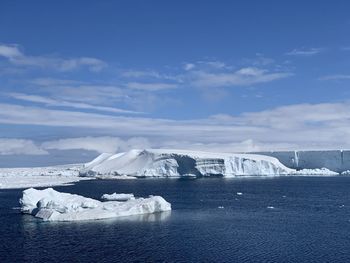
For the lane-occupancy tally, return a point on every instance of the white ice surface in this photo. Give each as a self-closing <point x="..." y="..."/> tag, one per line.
<point x="51" y="205"/>
<point x="117" y="197"/>
<point x="13" y="182"/>
<point x="39" y="176"/>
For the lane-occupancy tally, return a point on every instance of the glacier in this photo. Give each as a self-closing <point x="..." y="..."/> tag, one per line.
<point x="51" y="205"/>
<point x="182" y="163"/>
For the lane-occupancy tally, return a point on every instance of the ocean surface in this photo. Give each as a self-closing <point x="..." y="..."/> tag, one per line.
<point x="284" y="219"/>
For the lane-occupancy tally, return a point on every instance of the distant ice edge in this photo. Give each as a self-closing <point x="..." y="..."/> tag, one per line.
<point x="51" y="205"/>
<point x="178" y="163"/>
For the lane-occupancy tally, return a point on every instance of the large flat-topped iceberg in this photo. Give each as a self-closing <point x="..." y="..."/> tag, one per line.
<point x="51" y="205"/>
<point x="176" y="163"/>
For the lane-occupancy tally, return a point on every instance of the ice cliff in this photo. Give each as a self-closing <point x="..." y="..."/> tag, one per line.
<point x="177" y="163"/>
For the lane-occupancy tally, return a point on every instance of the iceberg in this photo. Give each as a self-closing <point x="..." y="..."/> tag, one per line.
<point x="118" y="197"/>
<point x="181" y="163"/>
<point x="51" y="205"/>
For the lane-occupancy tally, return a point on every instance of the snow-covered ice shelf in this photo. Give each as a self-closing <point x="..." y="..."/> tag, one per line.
<point x="39" y="176"/>
<point x="14" y="181"/>
<point x="154" y="163"/>
<point x="180" y="163"/>
<point x="51" y="205"/>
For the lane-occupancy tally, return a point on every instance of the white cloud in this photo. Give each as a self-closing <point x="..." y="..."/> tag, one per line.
<point x="16" y="57"/>
<point x="189" y="66"/>
<point x="302" y="126"/>
<point x="60" y="103"/>
<point x="47" y="82"/>
<point x="248" y="145"/>
<point x="259" y="60"/>
<point x="242" y="77"/>
<point x="9" y="51"/>
<point x="98" y="144"/>
<point x="19" y="146"/>
<point x="213" y="64"/>
<point x="335" y="77"/>
<point x="150" y="86"/>
<point x="305" y="52"/>
<point x="145" y="73"/>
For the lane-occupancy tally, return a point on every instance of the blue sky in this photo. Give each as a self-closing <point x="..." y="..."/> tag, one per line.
<point x="79" y="78"/>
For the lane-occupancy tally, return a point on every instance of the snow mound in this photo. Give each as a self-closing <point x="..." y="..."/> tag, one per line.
<point x="181" y="163"/>
<point x="118" y="197"/>
<point x="311" y="172"/>
<point x="51" y="205"/>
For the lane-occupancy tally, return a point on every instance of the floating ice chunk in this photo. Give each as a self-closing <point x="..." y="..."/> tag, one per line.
<point x="322" y="171"/>
<point x="51" y="205"/>
<point x="221" y="207"/>
<point x="270" y="207"/>
<point x="117" y="197"/>
<point x="239" y="193"/>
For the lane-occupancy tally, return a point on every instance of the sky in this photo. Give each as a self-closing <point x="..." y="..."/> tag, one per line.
<point x="78" y="78"/>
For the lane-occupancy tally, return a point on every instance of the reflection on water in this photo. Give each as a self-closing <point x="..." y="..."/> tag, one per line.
<point x="29" y="221"/>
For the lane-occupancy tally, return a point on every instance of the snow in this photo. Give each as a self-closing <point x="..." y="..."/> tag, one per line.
<point x="14" y="181"/>
<point x="312" y="172"/>
<point x="59" y="170"/>
<point x="117" y="197"/>
<point x="11" y="178"/>
<point x="51" y="205"/>
<point x="178" y="163"/>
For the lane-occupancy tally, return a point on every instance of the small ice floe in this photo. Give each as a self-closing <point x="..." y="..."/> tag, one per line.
<point x="284" y="196"/>
<point x="239" y="193"/>
<point x="221" y="207"/>
<point x="118" y="197"/>
<point x="270" y="207"/>
<point x="341" y="206"/>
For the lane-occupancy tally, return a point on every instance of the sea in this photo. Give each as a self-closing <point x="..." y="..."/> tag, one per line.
<point x="280" y="219"/>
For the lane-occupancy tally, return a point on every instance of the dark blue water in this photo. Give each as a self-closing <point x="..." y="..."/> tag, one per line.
<point x="310" y="222"/>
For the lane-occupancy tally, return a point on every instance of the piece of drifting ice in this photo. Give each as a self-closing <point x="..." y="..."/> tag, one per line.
<point x="117" y="197"/>
<point x="239" y="193"/>
<point x="270" y="207"/>
<point x="220" y="207"/>
<point x="51" y="205"/>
